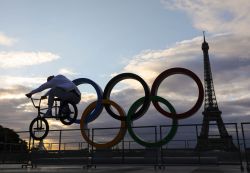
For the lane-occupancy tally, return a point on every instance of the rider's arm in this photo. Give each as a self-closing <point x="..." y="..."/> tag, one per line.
<point x="44" y="86"/>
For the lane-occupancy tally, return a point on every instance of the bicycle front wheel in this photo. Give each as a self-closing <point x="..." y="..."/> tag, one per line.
<point x="39" y="128"/>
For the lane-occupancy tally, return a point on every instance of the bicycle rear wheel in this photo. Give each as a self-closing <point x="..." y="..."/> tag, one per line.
<point x="39" y="128"/>
<point x="68" y="113"/>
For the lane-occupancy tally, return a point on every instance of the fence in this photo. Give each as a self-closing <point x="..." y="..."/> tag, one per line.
<point x="68" y="146"/>
<point x="245" y="128"/>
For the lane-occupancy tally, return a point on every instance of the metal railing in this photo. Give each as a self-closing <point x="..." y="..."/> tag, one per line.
<point x="177" y="151"/>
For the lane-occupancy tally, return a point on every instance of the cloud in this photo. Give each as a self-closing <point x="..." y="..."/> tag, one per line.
<point x="6" y="41"/>
<point x="215" y="16"/>
<point x="8" y="82"/>
<point x="16" y="92"/>
<point x="22" y="59"/>
<point x="66" y="71"/>
<point x="150" y="63"/>
<point x="11" y="115"/>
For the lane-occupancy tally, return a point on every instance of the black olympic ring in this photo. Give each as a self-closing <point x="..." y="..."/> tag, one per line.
<point x="113" y="82"/>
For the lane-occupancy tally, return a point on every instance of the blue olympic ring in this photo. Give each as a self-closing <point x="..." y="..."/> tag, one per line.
<point x="99" y="107"/>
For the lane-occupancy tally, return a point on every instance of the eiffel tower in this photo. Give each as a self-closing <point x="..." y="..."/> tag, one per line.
<point x="212" y="113"/>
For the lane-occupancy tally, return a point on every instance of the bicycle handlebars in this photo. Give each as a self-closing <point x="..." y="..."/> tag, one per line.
<point x="32" y="100"/>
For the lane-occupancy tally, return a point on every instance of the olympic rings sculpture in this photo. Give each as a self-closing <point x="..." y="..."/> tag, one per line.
<point x="103" y="101"/>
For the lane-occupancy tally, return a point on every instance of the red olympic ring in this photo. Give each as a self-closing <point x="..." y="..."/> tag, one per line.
<point x="168" y="73"/>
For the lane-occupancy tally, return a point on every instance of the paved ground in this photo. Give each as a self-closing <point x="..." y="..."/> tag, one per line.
<point x="121" y="169"/>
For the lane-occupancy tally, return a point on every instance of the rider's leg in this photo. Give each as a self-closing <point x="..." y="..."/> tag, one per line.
<point x="62" y="95"/>
<point x="54" y="92"/>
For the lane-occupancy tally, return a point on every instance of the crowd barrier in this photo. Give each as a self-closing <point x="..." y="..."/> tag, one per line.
<point x="66" y="146"/>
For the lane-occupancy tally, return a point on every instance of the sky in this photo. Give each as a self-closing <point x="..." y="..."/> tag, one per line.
<point x="100" y="39"/>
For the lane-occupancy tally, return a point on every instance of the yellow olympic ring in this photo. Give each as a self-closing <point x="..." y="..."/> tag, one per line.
<point x="117" y="138"/>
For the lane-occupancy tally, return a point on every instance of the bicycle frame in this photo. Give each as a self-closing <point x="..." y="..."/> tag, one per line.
<point x="40" y="124"/>
<point x="39" y="109"/>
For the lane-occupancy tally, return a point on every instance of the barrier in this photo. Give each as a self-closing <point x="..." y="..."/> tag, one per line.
<point x="245" y="129"/>
<point x="181" y="150"/>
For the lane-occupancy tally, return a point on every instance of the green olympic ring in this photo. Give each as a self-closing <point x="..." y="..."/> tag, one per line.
<point x="161" y="142"/>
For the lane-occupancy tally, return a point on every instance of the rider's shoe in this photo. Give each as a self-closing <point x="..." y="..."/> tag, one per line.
<point x="48" y="114"/>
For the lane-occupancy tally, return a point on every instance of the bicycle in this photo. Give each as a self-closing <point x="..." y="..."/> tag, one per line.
<point x="65" y="111"/>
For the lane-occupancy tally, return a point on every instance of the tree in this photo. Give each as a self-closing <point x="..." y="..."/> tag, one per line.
<point x="10" y="141"/>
